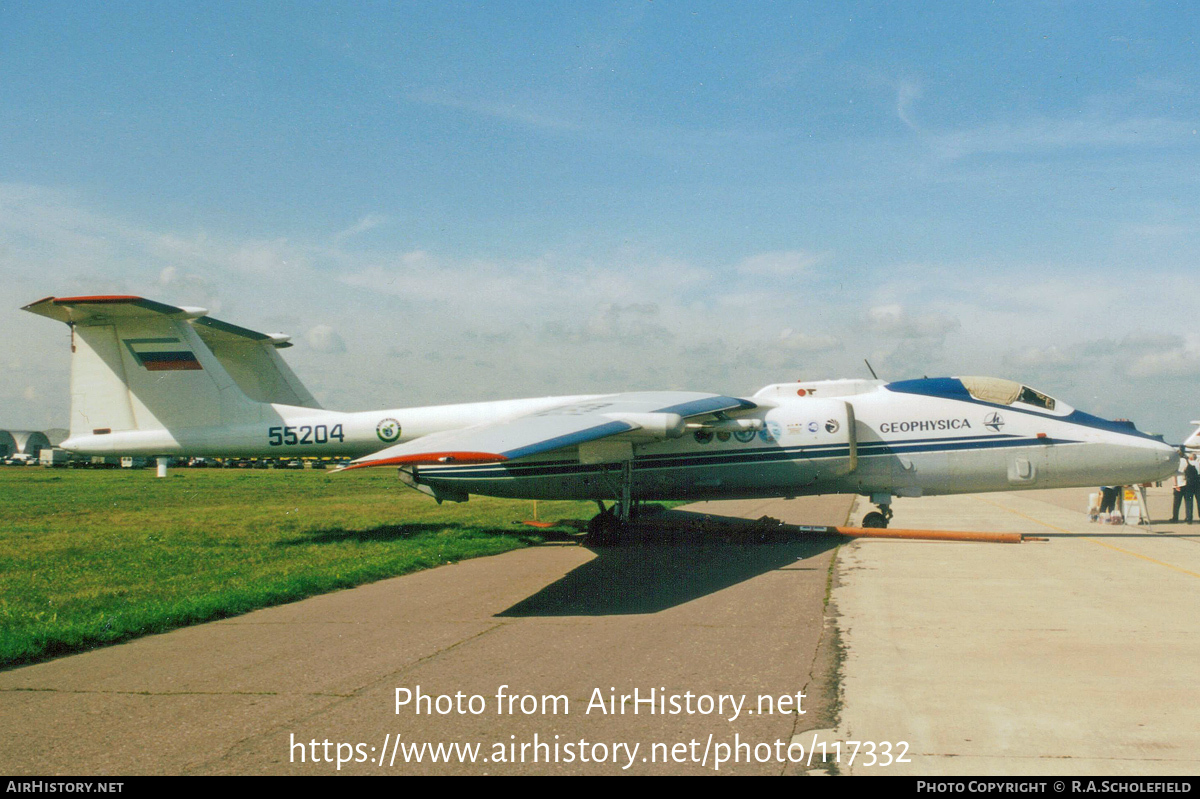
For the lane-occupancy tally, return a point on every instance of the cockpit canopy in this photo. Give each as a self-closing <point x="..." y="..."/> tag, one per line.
<point x="992" y="390"/>
<point x="1005" y="392"/>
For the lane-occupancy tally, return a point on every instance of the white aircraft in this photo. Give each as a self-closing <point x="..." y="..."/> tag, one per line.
<point x="1192" y="442"/>
<point x="159" y="380"/>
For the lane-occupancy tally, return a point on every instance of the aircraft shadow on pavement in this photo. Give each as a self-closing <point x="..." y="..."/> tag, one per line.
<point x="662" y="571"/>
<point x="390" y="532"/>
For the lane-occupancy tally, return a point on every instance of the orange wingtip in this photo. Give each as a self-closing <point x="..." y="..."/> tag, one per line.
<point x="432" y="459"/>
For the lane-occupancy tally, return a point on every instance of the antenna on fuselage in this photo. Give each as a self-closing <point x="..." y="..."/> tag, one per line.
<point x="869" y="369"/>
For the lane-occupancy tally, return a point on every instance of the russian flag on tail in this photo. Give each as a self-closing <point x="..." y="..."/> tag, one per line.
<point x="162" y="354"/>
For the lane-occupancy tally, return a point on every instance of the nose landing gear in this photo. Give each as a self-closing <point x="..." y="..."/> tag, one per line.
<point x="879" y="518"/>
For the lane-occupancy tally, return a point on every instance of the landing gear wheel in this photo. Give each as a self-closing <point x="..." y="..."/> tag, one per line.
<point x="604" y="528"/>
<point x="874" y="520"/>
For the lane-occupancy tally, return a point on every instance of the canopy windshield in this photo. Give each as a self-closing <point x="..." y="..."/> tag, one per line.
<point x="1005" y="392"/>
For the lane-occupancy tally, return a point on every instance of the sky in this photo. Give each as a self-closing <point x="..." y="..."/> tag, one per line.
<point x="447" y="202"/>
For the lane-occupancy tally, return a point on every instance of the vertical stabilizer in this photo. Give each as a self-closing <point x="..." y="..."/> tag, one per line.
<point x="1192" y="442"/>
<point x="139" y="365"/>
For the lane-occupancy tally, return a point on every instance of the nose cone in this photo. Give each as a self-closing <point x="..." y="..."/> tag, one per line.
<point x="1169" y="455"/>
<point x="1130" y="461"/>
<point x="1167" y="460"/>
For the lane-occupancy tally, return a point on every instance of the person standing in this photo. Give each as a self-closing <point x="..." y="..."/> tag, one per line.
<point x="1191" y="487"/>
<point x="1108" y="501"/>
<point x="1177" y="489"/>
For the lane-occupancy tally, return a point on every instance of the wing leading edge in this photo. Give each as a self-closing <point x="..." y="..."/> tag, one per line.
<point x="648" y="416"/>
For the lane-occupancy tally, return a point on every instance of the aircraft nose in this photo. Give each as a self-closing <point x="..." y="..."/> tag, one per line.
<point x="1147" y="462"/>
<point x="1168" y="454"/>
<point x="1167" y="457"/>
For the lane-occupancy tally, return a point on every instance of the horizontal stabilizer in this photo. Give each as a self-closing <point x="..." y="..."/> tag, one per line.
<point x="210" y="325"/>
<point x="107" y="308"/>
<point x="111" y="308"/>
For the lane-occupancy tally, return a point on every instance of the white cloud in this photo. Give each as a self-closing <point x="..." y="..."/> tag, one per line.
<point x="1174" y="363"/>
<point x="522" y="111"/>
<point x="636" y="323"/>
<point x="368" y="222"/>
<point x="894" y="321"/>
<point x="1039" y="357"/>
<point x="1048" y="133"/>
<point x="808" y="342"/>
<point x="907" y="93"/>
<point x="785" y="263"/>
<point x="324" y="338"/>
<point x="276" y="259"/>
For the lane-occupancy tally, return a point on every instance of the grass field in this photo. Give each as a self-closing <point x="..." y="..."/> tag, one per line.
<point x="95" y="557"/>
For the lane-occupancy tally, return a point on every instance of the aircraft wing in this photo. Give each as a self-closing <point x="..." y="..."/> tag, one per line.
<point x="643" y="416"/>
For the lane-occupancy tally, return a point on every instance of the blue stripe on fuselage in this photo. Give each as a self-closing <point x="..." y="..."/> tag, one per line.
<point x="740" y="457"/>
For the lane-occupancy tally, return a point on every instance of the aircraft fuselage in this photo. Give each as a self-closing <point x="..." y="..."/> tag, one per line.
<point x="880" y="441"/>
<point x="877" y="440"/>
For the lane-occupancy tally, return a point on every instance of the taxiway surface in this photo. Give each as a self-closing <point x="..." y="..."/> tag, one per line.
<point x="250" y="695"/>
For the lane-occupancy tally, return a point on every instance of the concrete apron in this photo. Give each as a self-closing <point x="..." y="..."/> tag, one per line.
<point x="1075" y="656"/>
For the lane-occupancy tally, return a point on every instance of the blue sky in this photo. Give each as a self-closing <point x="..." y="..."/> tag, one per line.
<point x="447" y="201"/>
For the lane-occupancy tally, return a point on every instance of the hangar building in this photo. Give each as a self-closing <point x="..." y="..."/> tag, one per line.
<point x="25" y="442"/>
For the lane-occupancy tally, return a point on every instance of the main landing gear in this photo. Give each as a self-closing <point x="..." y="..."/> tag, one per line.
<point x="611" y="524"/>
<point x="607" y="526"/>
<point x="879" y="518"/>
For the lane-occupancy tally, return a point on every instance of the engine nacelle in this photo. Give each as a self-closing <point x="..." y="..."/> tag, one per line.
<point x="728" y="425"/>
<point x="652" y="426"/>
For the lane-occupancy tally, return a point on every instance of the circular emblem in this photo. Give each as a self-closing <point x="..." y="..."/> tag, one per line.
<point x="832" y="426"/>
<point x="703" y="436"/>
<point x="993" y="421"/>
<point x="388" y="430"/>
<point x="744" y="436"/>
<point x="812" y="427"/>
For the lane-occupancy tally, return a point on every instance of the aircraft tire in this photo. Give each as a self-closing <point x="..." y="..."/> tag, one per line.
<point x="603" y="529"/>
<point x="874" y="519"/>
